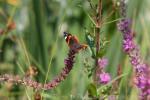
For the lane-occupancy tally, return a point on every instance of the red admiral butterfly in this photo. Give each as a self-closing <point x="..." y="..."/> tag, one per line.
<point x="73" y="42"/>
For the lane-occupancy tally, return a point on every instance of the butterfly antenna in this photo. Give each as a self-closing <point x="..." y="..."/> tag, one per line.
<point x="65" y="34"/>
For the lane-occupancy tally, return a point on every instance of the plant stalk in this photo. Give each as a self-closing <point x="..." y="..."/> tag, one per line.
<point x="98" y="26"/>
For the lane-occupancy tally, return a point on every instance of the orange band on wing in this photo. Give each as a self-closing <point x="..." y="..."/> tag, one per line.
<point x="68" y="39"/>
<point x="75" y="39"/>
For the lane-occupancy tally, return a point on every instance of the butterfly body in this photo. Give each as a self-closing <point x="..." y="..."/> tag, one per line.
<point x="73" y="42"/>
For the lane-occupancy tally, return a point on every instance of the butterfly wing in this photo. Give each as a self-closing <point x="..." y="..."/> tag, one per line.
<point x="78" y="45"/>
<point x="73" y="42"/>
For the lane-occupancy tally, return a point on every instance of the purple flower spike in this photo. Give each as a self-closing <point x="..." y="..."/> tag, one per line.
<point x="69" y="61"/>
<point x="104" y="78"/>
<point x="132" y="50"/>
<point x="142" y="78"/>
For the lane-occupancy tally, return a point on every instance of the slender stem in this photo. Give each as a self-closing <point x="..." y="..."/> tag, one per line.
<point x="98" y="25"/>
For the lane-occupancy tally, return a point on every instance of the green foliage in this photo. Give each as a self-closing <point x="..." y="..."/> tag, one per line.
<point x="103" y="48"/>
<point x="92" y="92"/>
<point x="38" y="41"/>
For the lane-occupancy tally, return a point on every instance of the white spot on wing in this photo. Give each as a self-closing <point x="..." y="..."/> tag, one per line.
<point x="65" y="37"/>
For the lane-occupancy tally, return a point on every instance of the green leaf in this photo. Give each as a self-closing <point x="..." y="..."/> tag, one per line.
<point x="101" y="52"/>
<point x="90" y="40"/>
<point x="92" y="90"/>
<point x="103" y="48"/>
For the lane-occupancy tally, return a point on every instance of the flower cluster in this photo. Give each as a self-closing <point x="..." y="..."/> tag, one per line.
<point x="123" y="26"/>
<point x="103" y="62"/>
<point x="104" y="77"/>
<point x="69" y="61"/>
<point x="142" y="70"/>
<point x="68" y="66"/>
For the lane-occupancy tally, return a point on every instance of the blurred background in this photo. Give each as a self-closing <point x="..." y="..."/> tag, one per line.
<point x="31" y="39"/>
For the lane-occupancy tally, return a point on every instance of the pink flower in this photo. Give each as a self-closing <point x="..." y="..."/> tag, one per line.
<point x="103" y="62"/>
<point x="104" y="78"/>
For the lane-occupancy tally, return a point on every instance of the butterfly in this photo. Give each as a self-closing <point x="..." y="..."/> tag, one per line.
<point x="73" y="42"/>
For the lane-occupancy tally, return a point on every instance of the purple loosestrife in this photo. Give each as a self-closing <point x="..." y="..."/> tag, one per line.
<point x="68" y="66"/>
<point x="142" y="70"/>
<point x="69" y="61"/>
